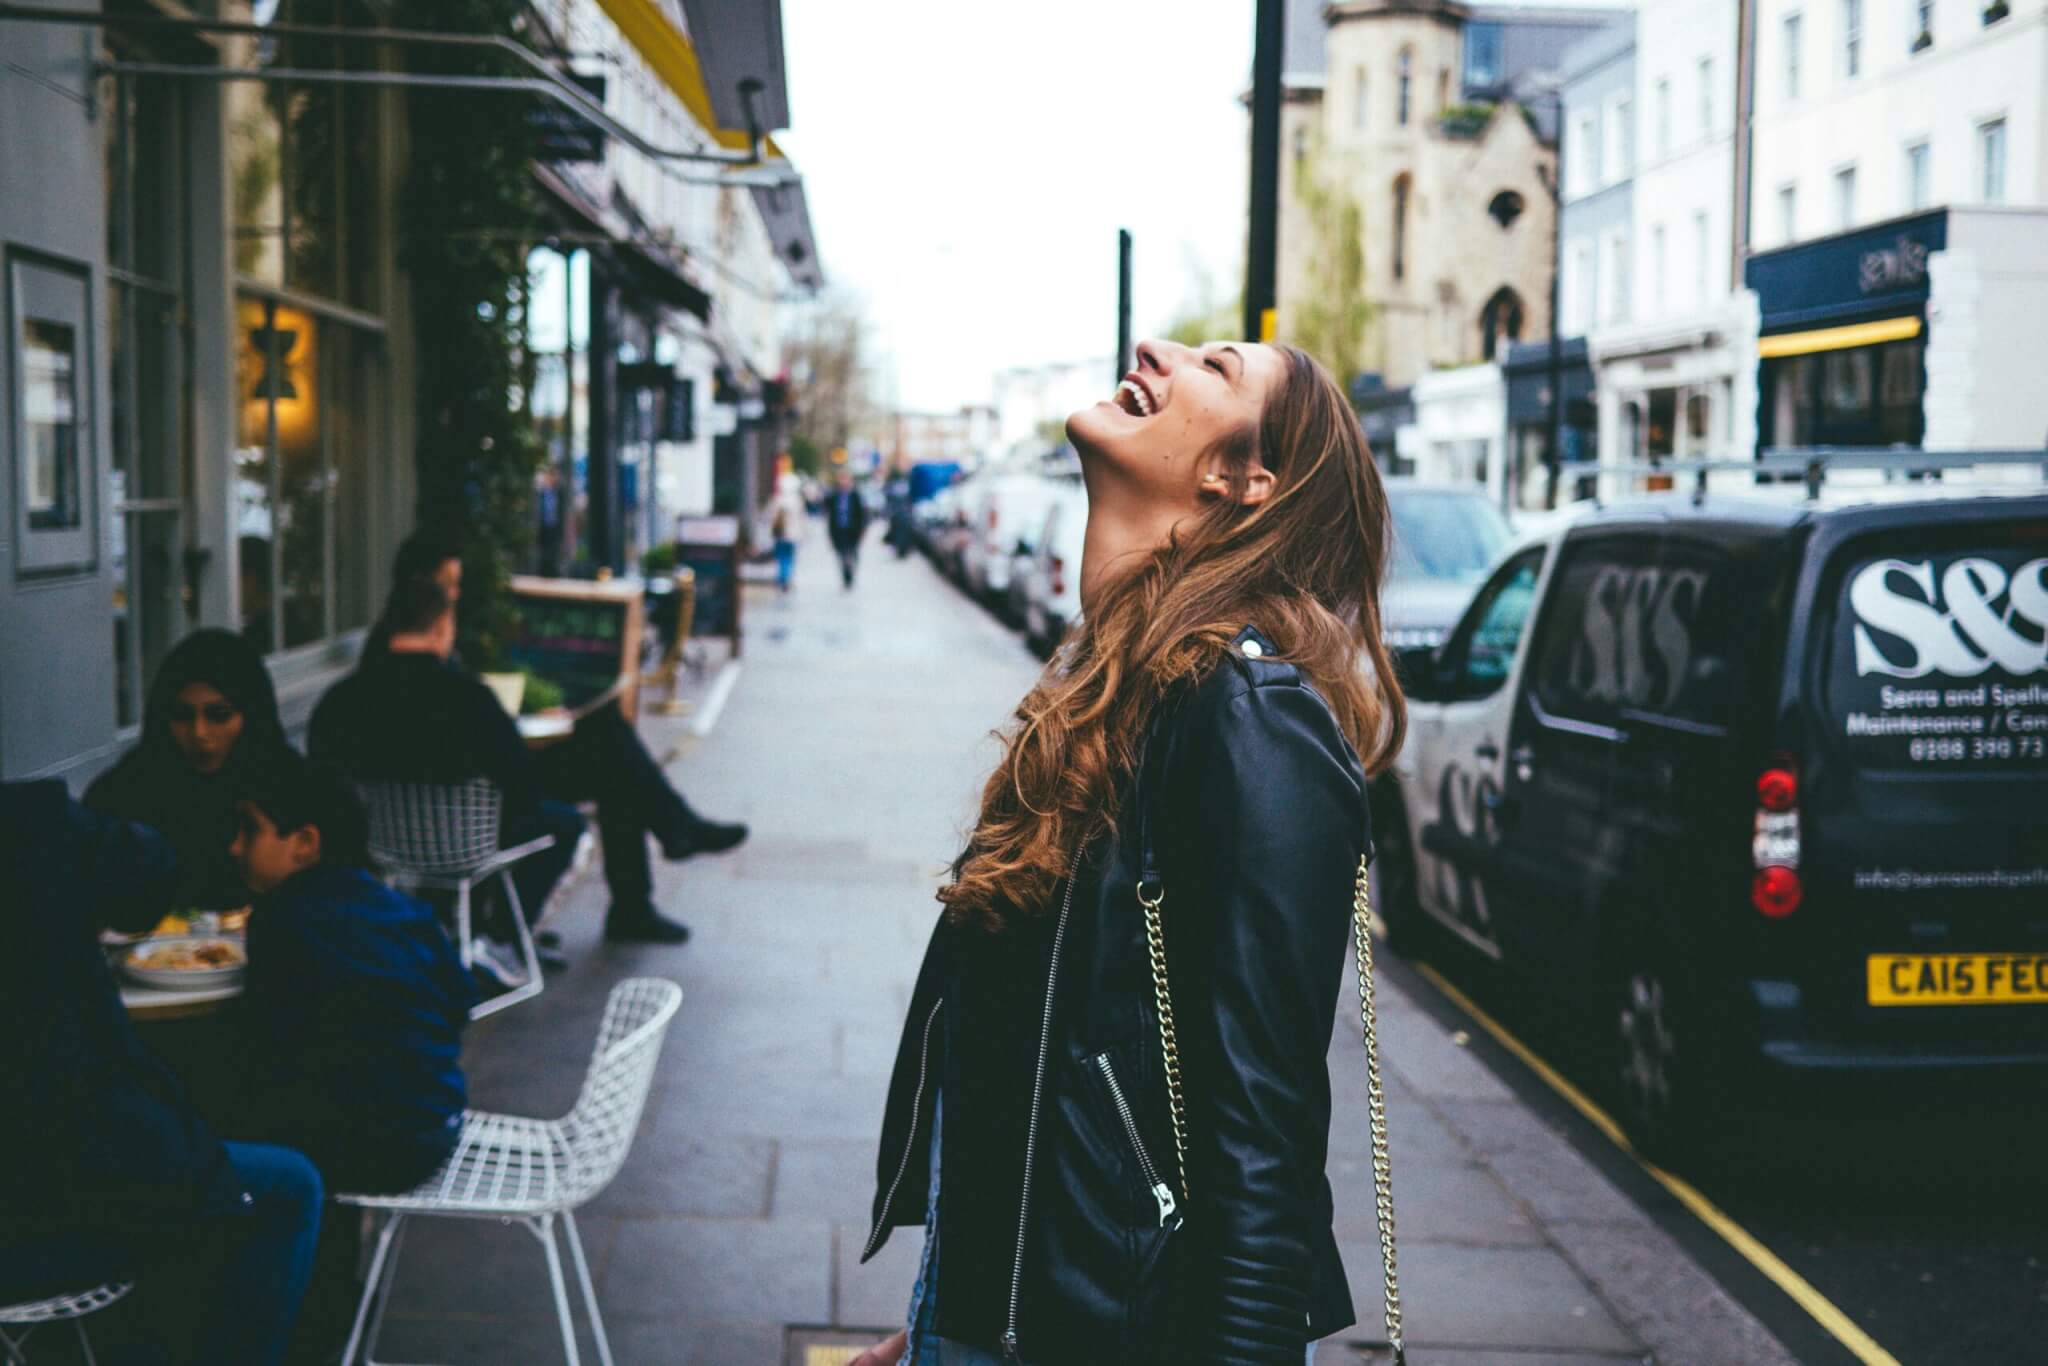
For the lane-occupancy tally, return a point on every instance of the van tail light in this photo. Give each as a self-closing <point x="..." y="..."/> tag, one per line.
<point x="1774" y="847"/>
<point x="1776" y="892"/>
<point x="1059" y="576"/>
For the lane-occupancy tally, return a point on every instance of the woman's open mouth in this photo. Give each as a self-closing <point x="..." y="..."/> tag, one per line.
<point x="1133" y="398"/>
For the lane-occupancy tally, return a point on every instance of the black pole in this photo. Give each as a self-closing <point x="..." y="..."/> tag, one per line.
<point x="1123" y="305"/>
<point x="1554" y="454"/>
<point x="1270" y="38"/>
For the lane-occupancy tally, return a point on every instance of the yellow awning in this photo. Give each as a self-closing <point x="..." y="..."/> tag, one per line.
<point x="1837" y="338"/>
<point x="664" y="48"/>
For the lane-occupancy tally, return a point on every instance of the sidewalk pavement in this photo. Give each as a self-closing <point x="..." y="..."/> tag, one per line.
<point x="854" y="744"/>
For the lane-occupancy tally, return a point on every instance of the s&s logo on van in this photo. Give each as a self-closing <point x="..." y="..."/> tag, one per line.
<point x="1975" y="616"/>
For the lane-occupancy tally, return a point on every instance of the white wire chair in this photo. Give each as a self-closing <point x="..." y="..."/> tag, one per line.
<point x="33" y="1314"/>
<point x="445" y="836"/>
<point x="535" y="1171"/>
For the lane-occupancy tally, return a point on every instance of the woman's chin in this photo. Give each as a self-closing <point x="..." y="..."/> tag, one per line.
<point x="1093" y="427"/>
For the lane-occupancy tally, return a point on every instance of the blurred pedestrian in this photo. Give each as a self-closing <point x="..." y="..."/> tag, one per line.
<point x="846" y="521"/>
<point x="1171" y="840"/>
<point x="786" y="513"/>
<point x="211" y="715"/>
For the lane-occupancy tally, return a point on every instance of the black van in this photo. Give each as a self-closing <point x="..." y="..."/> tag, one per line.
<point x="1767" y="780"/>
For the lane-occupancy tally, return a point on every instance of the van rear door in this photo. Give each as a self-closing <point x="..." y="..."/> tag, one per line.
<point x="1923" y="791"/>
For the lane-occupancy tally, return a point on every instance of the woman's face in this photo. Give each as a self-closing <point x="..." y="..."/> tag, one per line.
<point x="204" y="727"/>
<point x="1167" y="418"/>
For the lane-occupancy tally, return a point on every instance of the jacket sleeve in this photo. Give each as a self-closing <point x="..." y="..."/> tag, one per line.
<point x="1269" y="803"/>
<point x="125" y="874"/>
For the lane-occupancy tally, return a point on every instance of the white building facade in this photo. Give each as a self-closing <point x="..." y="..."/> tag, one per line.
<point x="1901" y="210"/>
<point x="1674" y="352"/>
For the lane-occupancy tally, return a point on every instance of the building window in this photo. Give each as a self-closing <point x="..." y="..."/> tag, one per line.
<point x="1505" y="208"/>
<point x="1664" y="118"/>
<point x="1624" y="138"/>
<point x="1300" y="146"/>
<point x="1852" y="38"/>
<point x="1921" y="38"/>
<point x="1401" y="89"/>
<point x="1845" y="197"/>
<point x="1788" y="213"/>
<point x="149" y="381"/>
<point x="1706" y="97"/>
<point x="1578" y="288"/>
<point x="1401" y="187"/>
<point x="1991" y="161"/>
<point x="1658" y="262"/>
<point x="311" y="403"/>
<point x="1916" y="176"/>
<point x="1792" y="27"/>
<point x="1613" y="293"/>
<point x="1700" y="256"/>
<point x="1500" y="321"/>
<point x="1443" y="89"/>
<point x="1482" y="56"/>
<point x="1581" y="163"/>
<point x="1361" y="106"/>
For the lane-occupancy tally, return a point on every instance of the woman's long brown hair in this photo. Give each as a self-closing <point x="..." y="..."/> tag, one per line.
<point x="1304" y="566"/>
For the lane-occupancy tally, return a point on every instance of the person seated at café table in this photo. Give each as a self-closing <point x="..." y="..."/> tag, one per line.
<point x="405" y="716"/>
<point x="603" y="759"/>
<point x="210" y="714"/>
<point x="353" y="1012"/>
<point x="106" y="1171"/>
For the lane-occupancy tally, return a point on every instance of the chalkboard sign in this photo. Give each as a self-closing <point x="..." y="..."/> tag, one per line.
<point x="709" y="548"/>
<point x="581" y="636"/>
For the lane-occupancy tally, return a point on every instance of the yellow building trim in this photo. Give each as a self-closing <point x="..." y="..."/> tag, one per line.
<point x="1837" y="338"/>
<point x="670" y="55"/>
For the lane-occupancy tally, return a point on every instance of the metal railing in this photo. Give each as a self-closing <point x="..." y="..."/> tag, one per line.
<point x="1808" y="465"/>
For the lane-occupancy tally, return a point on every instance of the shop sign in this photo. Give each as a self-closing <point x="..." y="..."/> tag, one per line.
<point x="562" y="134"/>
<point x="1902" y="265"/>
<point x="1845" y="276"/>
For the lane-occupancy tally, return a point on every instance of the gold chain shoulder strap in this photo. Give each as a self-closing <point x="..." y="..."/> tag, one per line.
<point x="1375" y="1096"/>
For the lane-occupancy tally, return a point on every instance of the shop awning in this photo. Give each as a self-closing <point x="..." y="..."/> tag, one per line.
<point x="675" y="59"/>
<point x="1837" y="338"/>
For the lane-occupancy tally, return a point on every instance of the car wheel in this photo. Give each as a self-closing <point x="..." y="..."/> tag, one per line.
<point x="1397" y="898"/>
<point x="1666" y="1062"/>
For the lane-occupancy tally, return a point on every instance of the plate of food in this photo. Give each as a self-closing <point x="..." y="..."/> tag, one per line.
<point x="187" y="962"/>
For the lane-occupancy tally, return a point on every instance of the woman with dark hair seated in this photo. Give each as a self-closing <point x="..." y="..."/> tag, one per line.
<point x="211" y="715"/>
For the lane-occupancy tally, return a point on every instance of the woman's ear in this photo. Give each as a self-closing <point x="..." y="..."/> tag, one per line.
<point x="305" y="846"/>
<point x="1257" y="486"/>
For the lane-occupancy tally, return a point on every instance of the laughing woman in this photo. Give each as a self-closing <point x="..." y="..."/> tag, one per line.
<point x="1200" y="745"/>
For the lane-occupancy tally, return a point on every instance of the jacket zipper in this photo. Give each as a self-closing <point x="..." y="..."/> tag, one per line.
<point x="924" y="1054"/>
<point x="1161" y="1192"/>
<point x="1052" y="978"/>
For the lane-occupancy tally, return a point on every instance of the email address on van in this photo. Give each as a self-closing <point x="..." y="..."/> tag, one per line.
<point x="1947" y="880"/>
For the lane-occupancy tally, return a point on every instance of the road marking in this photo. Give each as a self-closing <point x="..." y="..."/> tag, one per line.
<point x="1821" y="1309"/>
<point x="714" y="702"/>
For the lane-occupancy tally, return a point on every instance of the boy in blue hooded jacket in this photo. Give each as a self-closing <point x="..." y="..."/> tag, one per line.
<point x="356" y="999"/>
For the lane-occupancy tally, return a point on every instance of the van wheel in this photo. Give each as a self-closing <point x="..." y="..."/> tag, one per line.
<point x="1665" y="1061"/>
<point x="1397" y="900"/>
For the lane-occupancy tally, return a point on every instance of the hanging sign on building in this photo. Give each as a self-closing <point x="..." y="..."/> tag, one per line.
<point x="562" y="134"/>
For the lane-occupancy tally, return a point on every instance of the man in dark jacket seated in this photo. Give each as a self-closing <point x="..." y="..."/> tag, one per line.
<point x="356" y="1000"/>
<point x="105" y="1171"/>
<point x="408" y="713"/>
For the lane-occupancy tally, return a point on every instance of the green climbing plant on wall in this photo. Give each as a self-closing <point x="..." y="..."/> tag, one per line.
<point x="468" y="194"/>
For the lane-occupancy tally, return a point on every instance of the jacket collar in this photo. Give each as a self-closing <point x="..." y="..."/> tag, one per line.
<point x="1253" y="643"/>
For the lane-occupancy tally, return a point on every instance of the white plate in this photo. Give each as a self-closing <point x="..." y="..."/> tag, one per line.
<point x="136" y="964"/>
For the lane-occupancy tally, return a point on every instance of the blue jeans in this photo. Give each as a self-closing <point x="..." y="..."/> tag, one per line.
<point x="266" y="1269"/>
<point x="785" y="563"/>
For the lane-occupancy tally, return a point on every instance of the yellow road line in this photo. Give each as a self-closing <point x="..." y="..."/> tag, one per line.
<point x="1822" y="1310"/>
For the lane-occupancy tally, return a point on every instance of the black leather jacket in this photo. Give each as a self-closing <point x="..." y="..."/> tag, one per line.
<point x="1062" y="1236"/>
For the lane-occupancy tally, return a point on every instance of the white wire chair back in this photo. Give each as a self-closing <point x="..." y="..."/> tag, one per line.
<point x="445" y="828"/>
<point x="598" y="1132"/>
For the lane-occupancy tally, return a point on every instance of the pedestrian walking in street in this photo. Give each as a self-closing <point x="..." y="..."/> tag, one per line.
<point x="786" y="515"/>
<point x="211" y="715"/>
<point x="1110" y="1109"/>
<point x="846" y="521"/>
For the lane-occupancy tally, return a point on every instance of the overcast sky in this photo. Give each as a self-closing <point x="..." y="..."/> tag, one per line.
<point x="968" y="165"/>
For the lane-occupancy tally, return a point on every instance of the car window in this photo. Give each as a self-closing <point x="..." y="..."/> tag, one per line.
<point x="1444" y="534"/>
<point x="1483" y="649"/>
<point x="1643" y="626"/>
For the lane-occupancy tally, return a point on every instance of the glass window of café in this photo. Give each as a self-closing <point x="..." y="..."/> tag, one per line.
<point x="1858" y="396"/>
<point x="305" y="183"/>
<point x="148" y="348"/>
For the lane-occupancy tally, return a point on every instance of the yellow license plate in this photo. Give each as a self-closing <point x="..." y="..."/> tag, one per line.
<point x="1958" y="979"/>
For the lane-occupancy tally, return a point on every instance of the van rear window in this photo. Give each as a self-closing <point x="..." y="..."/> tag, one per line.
<point x="1940" y="661"/>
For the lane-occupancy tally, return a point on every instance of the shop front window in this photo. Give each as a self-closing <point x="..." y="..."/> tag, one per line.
<point x="1863" y="396"/>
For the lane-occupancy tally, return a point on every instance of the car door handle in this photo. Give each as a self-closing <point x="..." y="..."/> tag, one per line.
<point x="1523" y="757"/>
<point x="1487" y="750"/>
